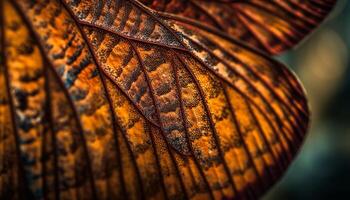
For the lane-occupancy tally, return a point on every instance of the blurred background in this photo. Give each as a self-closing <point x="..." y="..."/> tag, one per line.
<point x="322" y="62"/>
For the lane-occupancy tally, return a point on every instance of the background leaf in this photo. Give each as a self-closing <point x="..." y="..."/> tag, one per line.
<point x="271" y="26"/>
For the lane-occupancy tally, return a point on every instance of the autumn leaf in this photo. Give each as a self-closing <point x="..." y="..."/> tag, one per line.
<point x="116" y="100"/>
<point x="272" y="26"/>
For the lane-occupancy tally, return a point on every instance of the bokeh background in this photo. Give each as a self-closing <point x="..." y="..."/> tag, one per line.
<point x="322" y="62"/>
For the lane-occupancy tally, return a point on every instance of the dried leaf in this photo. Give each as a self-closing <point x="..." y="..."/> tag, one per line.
<point x="110" y="100"/>
<point x="272" y="26"/>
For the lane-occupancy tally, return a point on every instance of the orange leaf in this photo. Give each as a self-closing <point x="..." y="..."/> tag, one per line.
<point x="113" y="100"/>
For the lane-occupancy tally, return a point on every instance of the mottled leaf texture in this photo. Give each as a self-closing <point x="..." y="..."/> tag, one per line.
<point x="269" y="25"/>
<point x="113" y="100"/>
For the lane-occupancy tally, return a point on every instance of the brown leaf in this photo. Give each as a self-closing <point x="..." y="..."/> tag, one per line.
<point x="272" y="26"/>
<point x="109" y="100"/>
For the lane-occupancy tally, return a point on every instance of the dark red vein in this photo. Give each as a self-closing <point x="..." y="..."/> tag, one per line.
<point x="296" y="27"/>
<point x="144" y="70"/>
<point x="159" y="168"/>
<point x="304" y="8"/>
<point x="53" y="133"/>
<point x="265" y="141"/>
<point x="96" y="26"/>
<point x="44" y="155"/>
<point x="21" y="172"/>
<point x="161" y="129"/>
<point x="80" y="129"/>
<point x="205" y="12"/>
<point x="211" y="122"/>
<point x="133" y="159"/>
<point x="70" y="101"/>
<point x="79" y="126"/>
<point x="290" y="12"/>
<point x="113" y="114"/>
<point x="288" y="40"/>
<point x="256" y="35"/>
<point x="178" y="174"/>
<point x="182" y="109"/>
<point x="140" y="111"/>
<point x="137" y="170"/>
<point x="241" y="137"/>
<point x="115" y="126"/>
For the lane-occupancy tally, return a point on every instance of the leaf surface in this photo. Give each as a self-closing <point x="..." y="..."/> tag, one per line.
<point x="109" y="100"/>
